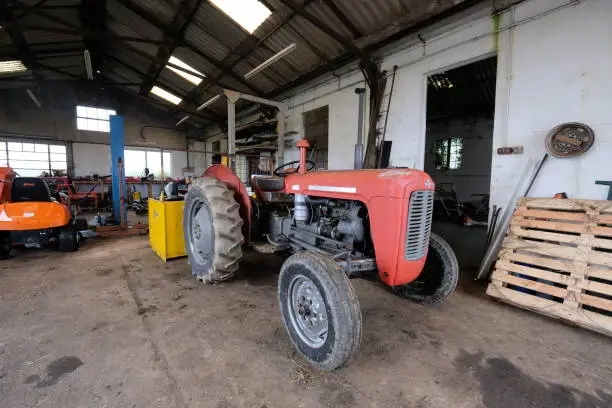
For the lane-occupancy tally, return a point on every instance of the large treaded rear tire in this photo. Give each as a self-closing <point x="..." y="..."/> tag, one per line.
<point x="213" y="230"/>
<point x="439" y="277"/>
<point x="311" y="287"/>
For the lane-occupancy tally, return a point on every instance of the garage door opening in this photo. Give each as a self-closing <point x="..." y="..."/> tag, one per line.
<point x="459" y="144"/>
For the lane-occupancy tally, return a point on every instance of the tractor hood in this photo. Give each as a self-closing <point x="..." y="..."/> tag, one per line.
<point x="32" y="216"/>
<point x="363" y="183"/>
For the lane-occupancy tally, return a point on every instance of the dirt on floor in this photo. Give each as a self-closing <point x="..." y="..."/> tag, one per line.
<point x="113" y="326"/>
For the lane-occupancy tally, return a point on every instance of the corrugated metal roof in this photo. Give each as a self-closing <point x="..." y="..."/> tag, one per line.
<point x="124" y="22"/>
<point x="214" y="43"/>
<point x="201" y="40"/>
<point x="192" y="59"/>
<point x="160" y="9"/>
<point x="219" y="26"/>
<point x="168" y="78"/>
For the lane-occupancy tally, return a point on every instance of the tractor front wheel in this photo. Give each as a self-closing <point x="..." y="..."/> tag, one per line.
<point x="213" y="230"/>
<point x="439" y="277"/>
<point x="320" y="310"/>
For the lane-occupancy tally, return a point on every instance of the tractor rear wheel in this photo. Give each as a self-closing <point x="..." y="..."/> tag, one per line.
<point x="213" y="230"/>
<point x="439" y="277"/>
<point x="320" y="310"/>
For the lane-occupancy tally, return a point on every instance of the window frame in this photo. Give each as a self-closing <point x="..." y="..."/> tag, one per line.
<point x="49" y="163"/>
<point x="98" y="115"/>
<point x="452" y="153"/>
<point x="167" y="162"/>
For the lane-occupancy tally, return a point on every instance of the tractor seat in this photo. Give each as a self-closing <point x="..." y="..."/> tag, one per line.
<point x="26" y="189"/>
<point x="268" y="183"/>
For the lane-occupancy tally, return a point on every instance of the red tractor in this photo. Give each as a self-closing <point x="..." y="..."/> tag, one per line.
<point x="338" y="225"/>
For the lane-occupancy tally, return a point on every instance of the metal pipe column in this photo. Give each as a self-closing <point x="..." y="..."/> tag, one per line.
<point x="359" y="146"/>
<point x="280" y="150"/>
<point x="231" y="133"/>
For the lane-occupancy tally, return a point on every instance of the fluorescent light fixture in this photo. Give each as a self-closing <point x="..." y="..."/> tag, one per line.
<point x="34" y="98"/>
<point x="88" y="67"/>
<point x="248" y="13"/>
<point x="194" y="79"/>
<point x="165" y="95"/>
<point x="7" y="67"/>
<point x="282" y="53"/>
<point x="209" y="102"/>
<point x="182" y="120"/>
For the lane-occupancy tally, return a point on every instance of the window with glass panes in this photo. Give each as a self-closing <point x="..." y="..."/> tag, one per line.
<point x="31" y="159"/>
<point x="449" y="153"/>
<point x="137" y="160"/>
<point x="94" y="119"/>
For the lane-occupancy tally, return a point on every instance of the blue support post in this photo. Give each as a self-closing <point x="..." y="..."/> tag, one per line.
<point x="117" y="141"/>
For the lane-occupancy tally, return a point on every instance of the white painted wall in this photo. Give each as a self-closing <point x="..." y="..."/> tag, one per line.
<point x="89" y="159"/>
<point x="474" y="176"/>
<point x="550" y="75"/>
<point x="547" y="75"/>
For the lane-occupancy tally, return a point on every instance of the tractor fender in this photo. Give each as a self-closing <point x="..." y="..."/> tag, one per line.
<point x="226" y="175"/>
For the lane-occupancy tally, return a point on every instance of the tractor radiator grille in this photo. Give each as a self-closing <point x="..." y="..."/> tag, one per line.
<point x="419" y="224"/>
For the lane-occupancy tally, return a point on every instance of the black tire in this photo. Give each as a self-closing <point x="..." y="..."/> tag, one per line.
<point x="213" y="230"/>
<point x="340" y="337"/>
<point x="439" y="277"/>
<point x="68" y="239"/>
<point x="5" y="244"/>
<point x="81" y="224"/>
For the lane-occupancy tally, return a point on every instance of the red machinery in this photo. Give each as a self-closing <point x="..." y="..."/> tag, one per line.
<point x="64" y="184"/>
<point x="31" y="215"/>
<point x="339" y="225"/>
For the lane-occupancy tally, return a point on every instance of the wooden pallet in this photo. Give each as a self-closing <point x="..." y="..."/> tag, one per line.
<point x="557" y="260"/>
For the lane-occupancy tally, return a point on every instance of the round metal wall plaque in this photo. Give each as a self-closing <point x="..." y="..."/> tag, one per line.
<point x="569" y="140"/>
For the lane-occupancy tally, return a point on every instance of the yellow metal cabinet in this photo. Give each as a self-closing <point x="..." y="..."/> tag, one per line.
<point x="166" y="228"/>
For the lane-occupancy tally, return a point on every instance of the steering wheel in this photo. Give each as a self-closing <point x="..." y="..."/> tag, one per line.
<point x="281" y="172"/>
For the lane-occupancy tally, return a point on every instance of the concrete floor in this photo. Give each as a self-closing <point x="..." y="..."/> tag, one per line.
<point x="112" y="326"/>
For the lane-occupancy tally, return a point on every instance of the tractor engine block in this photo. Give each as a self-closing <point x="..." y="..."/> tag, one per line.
<point x="335" y="226"/>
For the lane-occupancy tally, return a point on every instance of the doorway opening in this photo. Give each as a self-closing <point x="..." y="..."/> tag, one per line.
<point x="316" y="131"/>
<point x="459" y="145"/>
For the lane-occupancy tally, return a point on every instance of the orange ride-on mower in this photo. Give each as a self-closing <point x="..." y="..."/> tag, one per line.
<point x="31" y="216"/>
<point x="338" y="225"/>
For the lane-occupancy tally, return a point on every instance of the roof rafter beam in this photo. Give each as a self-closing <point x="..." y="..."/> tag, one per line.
<point x="183" y="17"/>
<point x="79" y="32"/>
<point x="161" y="25"/>
<point x="169" y="88"/>
<point x="343" y="18"/>
<point x="443" y="10"/>
<point x="20" y="43"/>
<point x="27" y="10"/>
<point x="242" y="55"/>
<point x="163" y="106"/>
<point x="301" y="10"/>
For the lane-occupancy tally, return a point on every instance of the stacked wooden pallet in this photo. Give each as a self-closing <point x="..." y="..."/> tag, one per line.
<point x="557" y="260"/>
